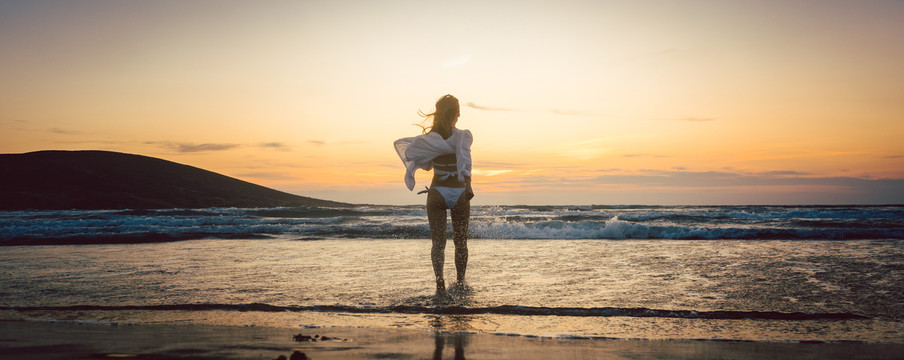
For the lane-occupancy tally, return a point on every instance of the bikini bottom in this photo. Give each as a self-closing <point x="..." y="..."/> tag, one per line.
<point x="450" y="194"/>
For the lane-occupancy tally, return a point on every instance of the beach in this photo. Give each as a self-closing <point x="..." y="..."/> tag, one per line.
<point x="628" y="179"/>
<point x="601" y="288"/>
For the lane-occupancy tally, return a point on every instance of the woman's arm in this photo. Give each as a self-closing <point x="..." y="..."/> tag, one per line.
<point x="463" y="154"/>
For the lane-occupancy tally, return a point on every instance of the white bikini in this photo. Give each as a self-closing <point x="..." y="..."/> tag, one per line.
<point x="418" y="153"/>
<point x="450" y="194"/>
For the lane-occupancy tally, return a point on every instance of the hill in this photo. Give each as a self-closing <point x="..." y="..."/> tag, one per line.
<point x="111" y="180"/>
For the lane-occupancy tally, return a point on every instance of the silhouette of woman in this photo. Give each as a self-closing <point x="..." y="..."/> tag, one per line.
<point x="447" y="151"/>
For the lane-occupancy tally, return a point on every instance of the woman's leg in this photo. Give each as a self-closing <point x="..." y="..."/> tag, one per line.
<point x="436" y="216"/>
<point x="461" y="215"/>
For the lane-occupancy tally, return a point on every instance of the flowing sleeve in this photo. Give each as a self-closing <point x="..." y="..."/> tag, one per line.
<point x="401" y="148"/>
<point x="417" y="152"/>
<point x="463" y="155"/>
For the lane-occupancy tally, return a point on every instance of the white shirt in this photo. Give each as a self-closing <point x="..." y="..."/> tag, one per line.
<point x="416" y="152"/>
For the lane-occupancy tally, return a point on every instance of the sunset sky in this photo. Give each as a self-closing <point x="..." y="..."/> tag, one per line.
<point x="570" y="102"/>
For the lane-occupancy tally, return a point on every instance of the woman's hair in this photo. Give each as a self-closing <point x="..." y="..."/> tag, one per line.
<point x="446" y="111"/>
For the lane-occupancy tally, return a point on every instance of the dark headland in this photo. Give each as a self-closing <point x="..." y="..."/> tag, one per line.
<point x="112" y="180"/>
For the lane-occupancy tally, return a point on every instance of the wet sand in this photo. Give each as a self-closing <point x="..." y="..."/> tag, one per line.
<point x="72" y="340"/>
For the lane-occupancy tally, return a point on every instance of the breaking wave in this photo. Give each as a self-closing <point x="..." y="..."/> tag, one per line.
<point x="487" y="222"/>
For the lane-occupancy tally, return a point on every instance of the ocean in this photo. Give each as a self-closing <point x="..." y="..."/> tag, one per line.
<point x="736" y="273"/>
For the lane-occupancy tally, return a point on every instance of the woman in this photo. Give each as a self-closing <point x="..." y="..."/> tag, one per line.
<point x="446" y="150"/>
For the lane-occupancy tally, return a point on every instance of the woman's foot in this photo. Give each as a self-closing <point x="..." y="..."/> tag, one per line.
<point x="442" y="296"/>
<point x="459" y="289"/>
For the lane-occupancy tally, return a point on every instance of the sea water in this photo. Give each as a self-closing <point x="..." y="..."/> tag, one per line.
<point x="737" y="273"/>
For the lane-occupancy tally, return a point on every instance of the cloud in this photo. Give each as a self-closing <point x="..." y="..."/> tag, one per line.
<point x="488" y="108"/>
<point x="337" y="143"/>
<point x="63" y="131"/>
<point x="272" y="176"/>
<point x="457" y="61"/>
<point x="105" y="142"/>
<point x="657" y="156"/>
<point x="185" y="148"/>
<point x="552" y="111"/>
<point x="14" y="124"/>
<point x="275" y="146"/>
<point x="584" y="150"/>
<point x="502" y="164"/>
<point x="678" y="185"/>
<point x="24" y="125"/>
<point x="715" y="187"/>
<point x="490" y="172"/>
<point x="697" y="119"/>
<point x="784" y="173"/>
<point x="735" y="179"/>
<point x="190" y="147"/>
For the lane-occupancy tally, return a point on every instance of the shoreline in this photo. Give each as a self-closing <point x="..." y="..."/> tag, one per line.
<point x="78" y="340"/>
<point x="870" y="331"/>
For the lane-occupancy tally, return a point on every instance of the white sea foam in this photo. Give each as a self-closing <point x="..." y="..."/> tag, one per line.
<point x="489" y="222"/>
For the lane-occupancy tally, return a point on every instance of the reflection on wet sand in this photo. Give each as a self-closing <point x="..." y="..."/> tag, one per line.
<point x="457" y="338"/>
<point x="454" y="327"/>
